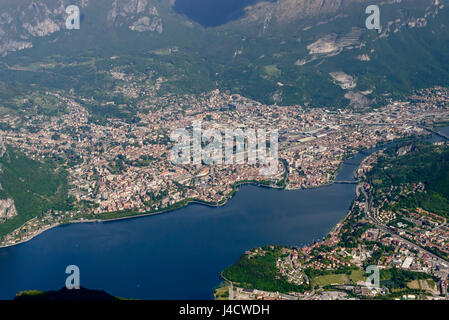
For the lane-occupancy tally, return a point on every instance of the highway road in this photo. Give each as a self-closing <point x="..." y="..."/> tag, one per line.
<point x="383" y="228"/>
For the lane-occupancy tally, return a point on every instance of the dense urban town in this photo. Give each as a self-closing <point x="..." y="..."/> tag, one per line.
<point x="336" y="268"/>
<point x="408" y="247"/>
<point x="118" y="166"/>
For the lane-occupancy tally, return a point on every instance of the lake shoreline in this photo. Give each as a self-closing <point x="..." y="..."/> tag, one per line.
<point x="149" y="214"/>
<point x="256" y="216"/>
<point x="222" y="203"/>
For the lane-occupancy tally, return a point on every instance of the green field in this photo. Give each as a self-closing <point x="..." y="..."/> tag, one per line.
<point x="340" y="279"/>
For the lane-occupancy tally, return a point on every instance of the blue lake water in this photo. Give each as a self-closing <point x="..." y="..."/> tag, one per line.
<point x="211" y="13"/>
<point x="176" y="255"/>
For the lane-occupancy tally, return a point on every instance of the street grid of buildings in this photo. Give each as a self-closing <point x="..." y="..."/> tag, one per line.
<point x="119" y="166"/>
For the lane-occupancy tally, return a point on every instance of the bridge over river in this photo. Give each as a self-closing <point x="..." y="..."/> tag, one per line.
<point x="345" y="182"/>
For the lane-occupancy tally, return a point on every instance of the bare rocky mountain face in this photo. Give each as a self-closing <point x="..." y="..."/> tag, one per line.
<point x="275" y="40"/>
<point x="329" y="28"/>
<point x="284" y="12"/>
<point x="22" y="21"/>
<point x="7" y="206"/>
<point x="7" y="209"/>
<point x="287" y="11"/>
<point x="138" y="15"/>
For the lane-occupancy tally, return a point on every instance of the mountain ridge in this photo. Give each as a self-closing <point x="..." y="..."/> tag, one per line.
<point x="272" y="60"/>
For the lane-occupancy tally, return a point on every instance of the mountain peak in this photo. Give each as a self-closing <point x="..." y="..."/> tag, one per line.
<point x="22" y="22"/>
